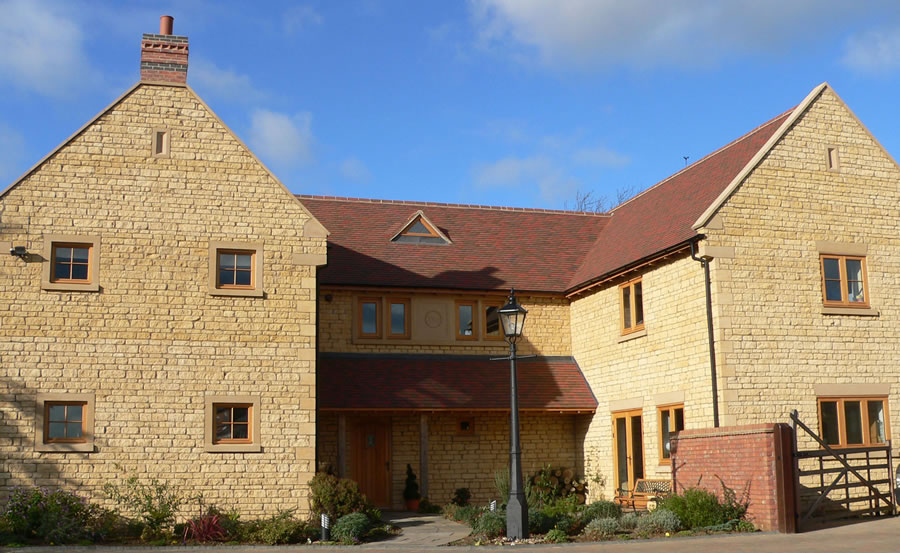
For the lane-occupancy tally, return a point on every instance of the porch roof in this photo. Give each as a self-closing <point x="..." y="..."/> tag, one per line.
<point x="449" y="383"/>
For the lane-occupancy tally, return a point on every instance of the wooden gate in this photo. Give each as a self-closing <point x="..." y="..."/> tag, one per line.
<point x="838" y="483"/>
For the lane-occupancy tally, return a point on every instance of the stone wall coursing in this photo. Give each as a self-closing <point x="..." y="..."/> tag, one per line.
<point x="749" y="460"/>
<point x="153" y="342"/>
<point x="546" y="328"/>
<point x="777" y="344"/>
<point x="672" y="359"/>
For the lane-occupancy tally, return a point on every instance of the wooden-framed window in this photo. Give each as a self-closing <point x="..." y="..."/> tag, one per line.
<point x="71" y="263"/>
<point x="844" y="280"/>
<point x="420" y="230"/>
<point x="399" y="316"/>
<point x="466" y="320"/>
<point x="671" y="420"/>
<point x="632" y="306"/>
<point x="236" y="269"/>
<point x="490" y="314"/>
<point x="64" y="422"/>
<point x="232" y="424"/>
<point x="368" y="317"/>
<point x="853" y="421"/>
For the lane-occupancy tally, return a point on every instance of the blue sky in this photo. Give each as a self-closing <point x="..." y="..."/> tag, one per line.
<point x="499" y="102"/>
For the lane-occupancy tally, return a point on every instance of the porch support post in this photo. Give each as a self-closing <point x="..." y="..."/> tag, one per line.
<point x="342" y="446"/>
<point x="423" y="454"/>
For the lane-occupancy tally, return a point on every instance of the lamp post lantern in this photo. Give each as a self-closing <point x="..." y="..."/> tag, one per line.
<point x="512" y="318"/>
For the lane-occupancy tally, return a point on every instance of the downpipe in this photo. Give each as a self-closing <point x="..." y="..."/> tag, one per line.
<point x="709" y="328"/>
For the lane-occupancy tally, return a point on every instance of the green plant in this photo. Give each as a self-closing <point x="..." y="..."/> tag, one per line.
<point x="461" y="496"/>
<point x="556" y="536"/>
<point x="429" y="508"/>
<point x="501" y="483"/>
<point x="539" y="522"/>
<point x="491" y="524"/>
<point x="601" y="509"/>
<point x="337" y="497"/>
<point x="204" y="528"/>
<point x="732" y="507"/>
<point x="745" y="526"/>
<point x="351" y="528"/>
<point x="696" y="508"/>
<point x="279" y="529"/>
<point x="55" y="516"/>
<point x="569" y="523"/>
<point x="411" y="491"/>
<point x="659" y="521"/>
<point x="601" y="528"/>
<point x="468" y="514"/>
<point x="629" y="521"/>
<point x="155" y="503"/>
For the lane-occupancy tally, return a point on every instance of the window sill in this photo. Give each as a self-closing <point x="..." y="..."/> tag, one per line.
<point x="87" y="447"/>
<point x="232" y="448"/>
<point x="69" y="287"/>
<point x="236" y="292"/>
<point x="631" y="336"/>
<point x="862" y="312"/>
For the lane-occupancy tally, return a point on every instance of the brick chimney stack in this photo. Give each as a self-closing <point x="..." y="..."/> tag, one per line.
<point x="164" y="57"/>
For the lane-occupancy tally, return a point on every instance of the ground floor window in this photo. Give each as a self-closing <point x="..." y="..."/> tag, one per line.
<point x="232" y="424"/>
<point x="853" y="421"/>
<point x="64" y="422"/>
<point x="671" y="420"/>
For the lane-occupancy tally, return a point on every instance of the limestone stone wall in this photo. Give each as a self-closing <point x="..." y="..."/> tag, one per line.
<point x="777" y="344"/>
<point x="546" y="327"/>
<point x="667" y="364"/>
<point x="458" y="461"/>
<point x="152" y="343"/>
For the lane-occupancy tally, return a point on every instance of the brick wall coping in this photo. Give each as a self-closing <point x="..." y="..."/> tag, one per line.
<point x="765" y="428"/>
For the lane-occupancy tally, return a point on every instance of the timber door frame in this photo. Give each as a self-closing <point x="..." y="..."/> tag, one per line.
<point x="628" y="416"/>
<point x="357" y="444"/>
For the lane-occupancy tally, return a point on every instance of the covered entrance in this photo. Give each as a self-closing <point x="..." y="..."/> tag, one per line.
<point x="371" y="459"/>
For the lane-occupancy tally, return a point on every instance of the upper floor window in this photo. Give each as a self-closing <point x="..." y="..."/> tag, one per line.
<point x="420" y="230"/>
<point x="232" y="423"/>
<point x="632" y="306"/>
<point x="491" y="316"/>
<point x="72" y="263"/>
<point x="465" y="320"/>
<point x="853" y="421"/>
<point x="399" y="314"/>
<point x="369" y="317"/>
<point x="235" y="269"/>
<point x="844" y="280"/>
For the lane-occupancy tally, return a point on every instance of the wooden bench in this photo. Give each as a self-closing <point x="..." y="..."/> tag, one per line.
<point x="644" y="491"/>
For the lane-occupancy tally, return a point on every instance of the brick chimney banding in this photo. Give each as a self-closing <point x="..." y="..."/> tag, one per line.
<point x="164" y="57"/>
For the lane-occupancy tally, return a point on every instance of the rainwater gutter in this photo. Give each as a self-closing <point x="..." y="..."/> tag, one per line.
<point x="709" y="327"/>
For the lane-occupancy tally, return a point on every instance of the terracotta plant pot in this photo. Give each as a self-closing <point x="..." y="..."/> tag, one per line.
<point x="412" y="504"/>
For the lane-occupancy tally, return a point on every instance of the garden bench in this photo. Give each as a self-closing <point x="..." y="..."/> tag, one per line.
<point x="644" y="491"/>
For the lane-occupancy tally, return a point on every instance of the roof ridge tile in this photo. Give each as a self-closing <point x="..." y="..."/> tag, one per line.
<point x="414" y="203"/>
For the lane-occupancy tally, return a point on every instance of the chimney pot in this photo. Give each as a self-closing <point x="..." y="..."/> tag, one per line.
<point x="165" y="24"/>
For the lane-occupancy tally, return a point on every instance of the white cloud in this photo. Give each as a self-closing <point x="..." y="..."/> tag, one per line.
<point x="873" y="51"/>
<point x="355" y="170"/>
<point x="210" y="79"/>
<point x="652" y="33"/>
<point x="12" y="152"/>
<point x="296" y="18"/>
<point x="600" y="156"/>
<point x="43" y="49"/>
<point x="540" y="171"/>
<point x="281" y="138"/>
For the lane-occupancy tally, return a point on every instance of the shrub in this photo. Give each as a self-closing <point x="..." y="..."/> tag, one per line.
<point x="338" y="497"/>
<point x="556" y="536"/>
<point x="696" y="508"/>
<point x="54" y="517"/>
<point x="601" y="509"/>
<point x="461" y="497"/>
<point x="569" y="523"/>
<point x="429" y="508"/>
<point x="468" y="514"/>
<point x="411" y="491"/>
<point x="659" y="521"/>
<point x="279" y="529"/>
<point x="601" y="528"/>
<point x="155" y="503"/>
<point x="745" y="526"/>
<point x="491" y="524"/>
<point x="204" y="529"/>
<point x="351" y="528"/>
<point x="629" y="521"/>
<point x="539" y="522"/>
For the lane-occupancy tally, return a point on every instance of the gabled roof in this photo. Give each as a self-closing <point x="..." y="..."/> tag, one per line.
<point x="662" y="217"/>
<point x="448" y="383"/>
<point x="491" y="248"/>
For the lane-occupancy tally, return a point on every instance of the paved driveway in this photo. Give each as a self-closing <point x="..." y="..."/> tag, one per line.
<point x="879" y="536"/>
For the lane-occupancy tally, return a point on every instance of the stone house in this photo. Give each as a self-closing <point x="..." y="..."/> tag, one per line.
<point x="171" y="309"/>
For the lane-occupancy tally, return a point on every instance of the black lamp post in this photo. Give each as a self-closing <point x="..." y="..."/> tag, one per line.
<point x="512" y="317"/>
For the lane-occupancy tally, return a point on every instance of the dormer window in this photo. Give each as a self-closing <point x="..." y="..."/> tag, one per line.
<point x="420" y="230"/>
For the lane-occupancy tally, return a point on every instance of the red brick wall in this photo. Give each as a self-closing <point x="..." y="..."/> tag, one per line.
<point x="758" y="456"/>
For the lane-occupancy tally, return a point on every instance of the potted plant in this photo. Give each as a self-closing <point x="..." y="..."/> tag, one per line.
<point x="411" y="491"/>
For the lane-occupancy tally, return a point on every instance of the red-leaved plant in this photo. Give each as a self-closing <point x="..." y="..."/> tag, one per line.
<point x="204" y="529"/>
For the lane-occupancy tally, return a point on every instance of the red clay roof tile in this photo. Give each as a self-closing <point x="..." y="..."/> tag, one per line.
<point x="449" y="383"/>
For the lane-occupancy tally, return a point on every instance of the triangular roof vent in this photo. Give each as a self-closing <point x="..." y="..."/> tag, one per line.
<point x="420" y="230"/>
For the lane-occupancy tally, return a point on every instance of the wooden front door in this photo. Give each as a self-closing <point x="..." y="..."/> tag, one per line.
<point x="628" y="449"/>
<point x="371" y="460"/>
